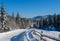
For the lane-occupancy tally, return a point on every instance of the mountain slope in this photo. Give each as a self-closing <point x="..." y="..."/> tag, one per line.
<point x="42" y="17"/>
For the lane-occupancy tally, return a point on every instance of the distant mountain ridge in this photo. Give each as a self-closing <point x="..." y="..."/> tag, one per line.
<point x="42" y="17"/>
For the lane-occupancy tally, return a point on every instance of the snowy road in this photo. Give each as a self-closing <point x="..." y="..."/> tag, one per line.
<point x="30" y="35"/>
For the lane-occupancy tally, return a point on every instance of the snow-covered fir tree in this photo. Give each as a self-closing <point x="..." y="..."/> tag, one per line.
<point x="4" y="24"/>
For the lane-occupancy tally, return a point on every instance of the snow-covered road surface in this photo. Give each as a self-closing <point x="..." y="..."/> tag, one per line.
<point x="30" y="35"/>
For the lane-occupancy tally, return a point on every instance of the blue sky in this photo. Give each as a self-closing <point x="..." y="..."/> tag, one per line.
<point x="32" y="8"/>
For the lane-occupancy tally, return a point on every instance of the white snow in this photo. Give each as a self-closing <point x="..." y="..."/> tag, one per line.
<point x="30" y="35"/>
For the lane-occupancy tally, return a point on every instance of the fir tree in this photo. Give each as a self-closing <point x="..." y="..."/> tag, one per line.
<point x="4" y="19"/>
<point x="12" y="14"/>
<point x="17" y="18"/>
